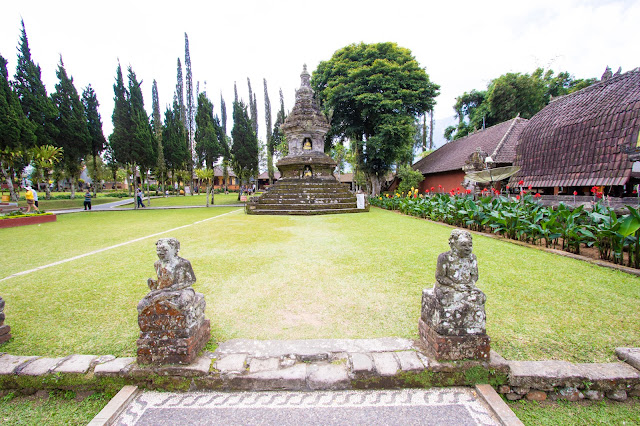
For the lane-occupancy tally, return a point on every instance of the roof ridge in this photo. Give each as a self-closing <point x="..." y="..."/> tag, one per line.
<point x="505" y="136"/>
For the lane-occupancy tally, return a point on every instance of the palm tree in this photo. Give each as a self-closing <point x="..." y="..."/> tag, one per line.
<point x="206" y="175"/>
<point x="8" y="160"/>
<point x="46" y="157"/>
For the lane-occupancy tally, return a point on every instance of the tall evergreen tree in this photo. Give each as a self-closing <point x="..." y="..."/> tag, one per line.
<point x="253" y="117"/>
<point x="190" y="123"/>
<point x="156" y="126"/>
<point x="16" y="131"/>
<point x="97" y="142"/>
<point x="244" y="151"/>
<point x="208" y="147"/>
<point x="278" y="140"/>
<point x="173" y="146"/>
<point x="120" y="139"/>
<point x="235" y="92"/>
<point x="180" y="94"/>
<point x="254" y="114"/>
<point x="142" y="146"/>
<point x="36" y="105"/>
<point x="223" y="113"/>
<point x="267" y="119"/>
<point x="73" y="133"/>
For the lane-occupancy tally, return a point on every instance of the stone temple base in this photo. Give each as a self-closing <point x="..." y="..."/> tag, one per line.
<point x="172" y="332"/>
<point x="453" y="348"/>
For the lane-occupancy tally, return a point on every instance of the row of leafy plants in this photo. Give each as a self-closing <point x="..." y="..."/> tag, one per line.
<point x="524" y="218"/>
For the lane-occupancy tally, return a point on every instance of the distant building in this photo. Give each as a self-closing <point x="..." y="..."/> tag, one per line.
<point x="585" y="139"/>
<point x="443" y="169"/>
<point x="218" y="179"/>
<point x="263" y="179"/>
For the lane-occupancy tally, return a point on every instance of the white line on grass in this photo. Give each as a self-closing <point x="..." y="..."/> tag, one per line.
<point x="17" y="274"/>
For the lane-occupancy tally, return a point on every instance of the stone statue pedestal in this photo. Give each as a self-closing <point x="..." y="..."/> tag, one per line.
<point x="457" y="343"/>
<point x="173" y="329"/>
<point x="4" y="329"/>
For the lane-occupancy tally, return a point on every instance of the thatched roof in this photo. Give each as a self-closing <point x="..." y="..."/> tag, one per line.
<point x="497" y="141"/>
<point x="580" y="139"/>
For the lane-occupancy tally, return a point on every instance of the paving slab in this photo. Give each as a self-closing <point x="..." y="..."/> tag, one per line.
<point x="233" y="363"/>
<point x="291" y="378"/>
<point x="76" y="364"/>
<point x="114" y="367"/>
<point x="328" y="377"/>
<point x="40" y="367"/>
<point x="386" y="364"/>
<point x="629" y="355"/>
<point x="10" y="363"/>
<point x="409" y="361"/>
<point x="609" y="376"/>
<point x="309" y="348"/>
<point x="257" y="365"/>
<point x="437" y="406"/>
<point x="361" y="363"/>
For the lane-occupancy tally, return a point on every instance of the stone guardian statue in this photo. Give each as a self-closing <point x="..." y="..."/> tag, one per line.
<point x="453" y="322"/>
<point x="173" y="328"/>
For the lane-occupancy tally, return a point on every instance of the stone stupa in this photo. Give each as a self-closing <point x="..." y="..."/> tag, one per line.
<point x="307" y="185"/>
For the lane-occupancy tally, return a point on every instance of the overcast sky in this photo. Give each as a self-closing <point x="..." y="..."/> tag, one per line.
<point x="462" y="44"/>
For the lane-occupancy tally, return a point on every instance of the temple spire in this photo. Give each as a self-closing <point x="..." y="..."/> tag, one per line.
<point x="305" y="78"/>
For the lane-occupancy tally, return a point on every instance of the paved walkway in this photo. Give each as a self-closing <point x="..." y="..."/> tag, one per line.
<point x="436" y="406"/>
<point x="119" y="206"/>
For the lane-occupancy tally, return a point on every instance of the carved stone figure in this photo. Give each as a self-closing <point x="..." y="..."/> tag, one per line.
<point x="5" y="334"/>
<point x="453" y="320"/>
<point x="173" y="328"/>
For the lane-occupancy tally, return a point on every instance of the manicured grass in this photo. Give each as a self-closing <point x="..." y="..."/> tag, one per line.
<point x="573" y="413"/>
<point x="59" y="408"/>
<point x="288" y="277"/>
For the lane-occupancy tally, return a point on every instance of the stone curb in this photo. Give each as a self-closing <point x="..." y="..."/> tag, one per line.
<point x="505" y="416"/>
<point x="329" y="365"/>
<point x="113" y="409"/>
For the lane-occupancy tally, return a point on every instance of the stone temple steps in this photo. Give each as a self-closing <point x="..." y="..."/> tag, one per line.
<point x="305" y="197"/>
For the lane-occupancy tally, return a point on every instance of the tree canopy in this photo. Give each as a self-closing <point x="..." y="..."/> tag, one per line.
<point x="208" y="147"/>
<point x="373" y="92"/>
<point x="244" y="151"/>
<point x="509" y="95"/>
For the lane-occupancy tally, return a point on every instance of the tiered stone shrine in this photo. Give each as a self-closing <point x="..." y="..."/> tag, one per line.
<point x="307" y="185"/>
<point x="452" y="324"/>
<point x="173" y="328"/>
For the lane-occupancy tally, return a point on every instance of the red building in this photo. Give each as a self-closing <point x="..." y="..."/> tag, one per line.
<point x="443" y="168"/>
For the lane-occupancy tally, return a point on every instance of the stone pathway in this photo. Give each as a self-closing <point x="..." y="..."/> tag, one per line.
<point x="436" y="406"/>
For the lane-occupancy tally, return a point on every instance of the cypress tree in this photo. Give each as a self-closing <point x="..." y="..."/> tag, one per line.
<point x="267" y="119"/>
<point x="208" y="147"/>
<point x="244" y="151"/>
<point x="190" y="124"/>
<point x="175" y="151"/>
<point x="34" y="101"/>
<point x="156" y="126"/>
<point x="142" y="146"/>
<point x="16" y="131"/>
<point x="97" y="141"/>
<point x="180" y="95"/>
<point x="73" y="133"/>
<point x="223" y="113"/>
<point x="120" y="139"/>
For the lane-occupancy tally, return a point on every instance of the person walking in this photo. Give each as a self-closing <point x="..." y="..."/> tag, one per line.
<point x="35" y="198"/>
<point x="87" y="199"/>
<point x="139" y="198"/>
<point x="30" y="200"/>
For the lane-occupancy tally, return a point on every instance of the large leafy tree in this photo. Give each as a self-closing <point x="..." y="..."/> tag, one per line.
<point x="36" y="105"/>
<point x="373" y="92"/>
<point x="509" y="95"/>
<point x="97" y="142"/>
<point x="190" y="106"/>
<point x="208" y="147"/>
<point x="120" y="139"/>
<point x="244" y="151"/>
<point x="73" y="134"/>
<point x="16" y="131"/>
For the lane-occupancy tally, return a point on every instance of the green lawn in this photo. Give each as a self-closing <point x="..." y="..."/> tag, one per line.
<point x="578" y="413"/>
<point x="194" y="200"/>
<point x="286" y="277"/>
<point x="76" y="203"/>
<point x="59" y="408"/>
